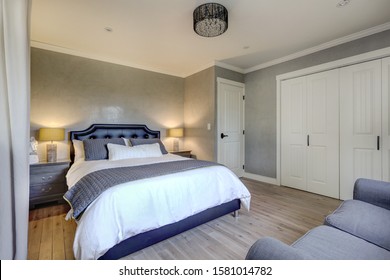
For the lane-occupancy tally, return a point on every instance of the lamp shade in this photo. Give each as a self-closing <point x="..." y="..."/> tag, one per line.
<point x="176" y="132"/>
<point x="51" y="134"/>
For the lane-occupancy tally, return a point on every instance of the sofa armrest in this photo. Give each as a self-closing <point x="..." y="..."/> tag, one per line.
<point x="372" y="191"/>
<point x="269" y="248"/>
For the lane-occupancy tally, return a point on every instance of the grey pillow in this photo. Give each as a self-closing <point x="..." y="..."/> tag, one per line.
<point x="96" y="149"/>
<point x="140" y="141"/>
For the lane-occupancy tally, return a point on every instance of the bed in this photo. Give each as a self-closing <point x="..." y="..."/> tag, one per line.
<point x="159" y="196"/>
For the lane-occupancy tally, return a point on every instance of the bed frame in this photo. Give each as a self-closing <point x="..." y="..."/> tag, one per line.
<point x="143" y="240"/>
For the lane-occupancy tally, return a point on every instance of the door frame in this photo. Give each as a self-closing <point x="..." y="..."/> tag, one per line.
<point x="218" y="130"/>
<point x="377" y="54"/>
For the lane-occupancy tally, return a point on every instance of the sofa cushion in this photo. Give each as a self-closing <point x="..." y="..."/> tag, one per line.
<point x="363" y="220"/>
<point x="328" y="243"/>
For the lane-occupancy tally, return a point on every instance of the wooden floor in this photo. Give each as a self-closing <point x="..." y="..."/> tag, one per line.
<point x="280" y="212"/>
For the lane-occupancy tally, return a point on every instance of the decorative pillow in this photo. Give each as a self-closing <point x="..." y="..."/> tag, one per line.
<point x="96" y="149"/>
<point x="117" y="152"/>
<point x="78" y="150"/>
<point x="139" y="141"/>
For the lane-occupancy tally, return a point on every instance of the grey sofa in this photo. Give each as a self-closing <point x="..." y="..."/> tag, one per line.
<point x="357" y="229"/>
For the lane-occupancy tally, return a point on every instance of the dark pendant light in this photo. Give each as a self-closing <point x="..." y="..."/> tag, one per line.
<point x="210" y="20"/>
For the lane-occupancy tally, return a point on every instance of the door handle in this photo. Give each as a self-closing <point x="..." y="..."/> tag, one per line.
<point x="308" y="140"/>
<point x="223" y="135"/>
<point x="378" y="143"/>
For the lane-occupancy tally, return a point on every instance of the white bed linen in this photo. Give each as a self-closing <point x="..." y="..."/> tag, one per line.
<point x="131" y="208"/>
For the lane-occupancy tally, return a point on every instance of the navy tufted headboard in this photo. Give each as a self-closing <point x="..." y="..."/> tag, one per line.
<point x="99" y="131"/>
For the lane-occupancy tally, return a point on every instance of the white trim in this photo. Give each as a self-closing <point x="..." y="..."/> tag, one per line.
<point x="342" y="40"/>
<point x="199" y="70"/>
<point x="40" y="45"/>
<point x="337" y="64"/>
<point x="44" y="46"/>
<point x="378" y="54"/>
<point x="333" y="43"/>
<point x="230" y="82"/>
<point x="260" y="178"/>
<point x="229" y="67"/>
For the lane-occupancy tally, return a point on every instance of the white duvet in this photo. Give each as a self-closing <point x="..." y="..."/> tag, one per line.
<point x="131" y="208"/>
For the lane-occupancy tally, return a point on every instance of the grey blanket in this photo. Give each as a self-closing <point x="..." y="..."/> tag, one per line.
<point x="88" y="188"/>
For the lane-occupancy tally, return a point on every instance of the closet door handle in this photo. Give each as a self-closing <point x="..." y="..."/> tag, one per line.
<point x="377" y="142"/>
<point x="308" y="140"/>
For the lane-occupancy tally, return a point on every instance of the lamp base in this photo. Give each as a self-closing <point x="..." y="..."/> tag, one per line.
<point x="51" y="152"/>
<point x="33" y="158"/>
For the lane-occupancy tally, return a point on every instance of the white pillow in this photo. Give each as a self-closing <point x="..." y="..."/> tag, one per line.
<point x="117" y="152"/>
<point x="78" y="150"/>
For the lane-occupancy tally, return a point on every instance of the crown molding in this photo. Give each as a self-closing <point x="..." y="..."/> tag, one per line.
<point x="229" y="67"/>
<point x="204" y="67"/>
<point x="333" y="43"/>
<point x="342" y="40"/>
<point x="40" y="45"/>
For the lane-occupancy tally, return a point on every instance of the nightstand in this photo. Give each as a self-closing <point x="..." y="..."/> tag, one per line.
<point x="183" y="153"/>
<point x="47" y="182"/>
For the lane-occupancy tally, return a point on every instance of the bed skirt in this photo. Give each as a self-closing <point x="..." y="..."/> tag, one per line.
<point x="143" y="240"/>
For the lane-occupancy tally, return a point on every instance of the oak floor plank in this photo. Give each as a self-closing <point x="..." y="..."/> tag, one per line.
<point x="34" y="239"/>
<point x="58" y="238"/>
<point x="69" y="232"/>
<point x="46" y="247"/>
<point x="280" y="212"/>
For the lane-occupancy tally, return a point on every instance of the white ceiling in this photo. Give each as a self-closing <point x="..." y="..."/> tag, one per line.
<point x="157" y="35"/>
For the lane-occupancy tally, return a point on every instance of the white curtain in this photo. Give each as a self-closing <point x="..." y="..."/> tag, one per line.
<point x="14" y="127"/>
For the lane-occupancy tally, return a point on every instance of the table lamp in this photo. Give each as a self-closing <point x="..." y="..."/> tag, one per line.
<point x="176" y="133"/>
<point x="51" y="134"/>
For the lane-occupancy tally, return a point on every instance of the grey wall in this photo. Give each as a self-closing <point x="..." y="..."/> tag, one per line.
<point x="260" y="110"/>
<point x="199" y="110"/>
<point x="73" y="92"/>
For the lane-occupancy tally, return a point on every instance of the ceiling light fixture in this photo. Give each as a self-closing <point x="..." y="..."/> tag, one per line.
<point x="343" y="3"/>
<point x="210" y="20"/>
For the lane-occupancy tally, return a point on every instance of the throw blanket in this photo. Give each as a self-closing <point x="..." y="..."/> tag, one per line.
<point x="88" y="188"/>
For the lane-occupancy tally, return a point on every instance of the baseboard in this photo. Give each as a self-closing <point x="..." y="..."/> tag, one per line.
<point x="260" y="178"/>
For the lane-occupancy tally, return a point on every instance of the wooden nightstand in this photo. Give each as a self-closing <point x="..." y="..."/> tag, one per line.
<point x="47" y="182"/>
<point x="183" y="153"/>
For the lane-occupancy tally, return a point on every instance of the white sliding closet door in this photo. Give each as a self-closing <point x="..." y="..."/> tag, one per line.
<point x="293" y="140"/>
<point x="385" y="119"/>
<point x="323" y="133"/>
<point x="310" y="133"/>
<point x="360" y="124"/>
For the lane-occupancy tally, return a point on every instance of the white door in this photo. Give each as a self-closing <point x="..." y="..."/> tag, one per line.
<point x="310" y="133"/>
<point x="323" y="133"/>
<point x="385" y="119"/>
<point x="230" y="109"/>
<point x="293" y="132"/>
<point x="360" y="124"/>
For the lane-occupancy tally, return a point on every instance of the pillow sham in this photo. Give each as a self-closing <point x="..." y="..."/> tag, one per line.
<point x="78" y="150"/>
<point x="96" y="149"/>
<point x="139" y="141"/>
<point x="117" y="152"/>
